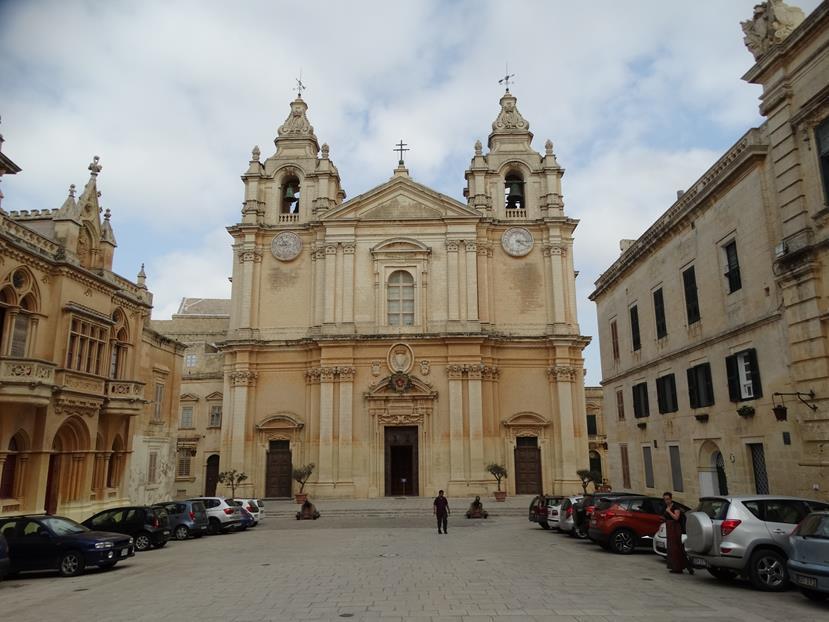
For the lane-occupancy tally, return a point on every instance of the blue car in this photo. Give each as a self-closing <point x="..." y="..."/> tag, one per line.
<point x="42" y="542"/>
<point x="247" y="519"/>
<point x="809" y="560"/>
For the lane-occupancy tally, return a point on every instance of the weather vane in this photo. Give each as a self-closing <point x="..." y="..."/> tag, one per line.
<point x="506" y="80"/>
<point x="401" y="147"/>
<point x="299" y="85"/>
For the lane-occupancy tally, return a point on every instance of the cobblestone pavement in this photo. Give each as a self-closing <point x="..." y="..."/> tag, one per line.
<point x="365" y="568"/>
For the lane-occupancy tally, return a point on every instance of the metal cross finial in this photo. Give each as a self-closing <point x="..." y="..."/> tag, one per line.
<point x="401" y="147"/>
<point x="299" y="85"/>
<point x="506" y="80"/>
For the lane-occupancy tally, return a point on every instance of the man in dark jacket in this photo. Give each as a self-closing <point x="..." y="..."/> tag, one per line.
<point x="441" y="510"/>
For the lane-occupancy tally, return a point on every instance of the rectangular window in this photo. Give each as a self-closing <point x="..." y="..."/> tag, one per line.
<point x="152" y="468"/>
<point x="186" y="417"/>
<point x="700" y="388"/>
<point x="620" y="404"/>
<point x="591" y="425"/>
<point x="634" y="328"/>
<point x="614" y="339"/>
<point x="190" y="360"/>
<point x="20" y="335"/>
<point x="689" y="283"/>
<point x="732" y="267"/>
<point x="623" y="449"/>
<point x="87" y="345"/>
<point x="640" y="400"/>
<point x="159" y="401"/>
<point x="676" y="468"/>
<point x="666" y="394"/>
<point x="743" y="376"/>
<point x="215" y="416"/>
<point x="185" y="459"/>
<point x="822" y="135"/>
<point x="647" y="460"/>
<point x="758" y="463"/>
<point x="659" y="314"/>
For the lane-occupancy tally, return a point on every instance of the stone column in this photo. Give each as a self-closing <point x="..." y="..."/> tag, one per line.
<point x="559" y="286"/>
<point x="563" y="378"/>
<point x="452" y="247"/>
<point x="476" y="423"/>
<point x="549" y="287"/>
<point x="471" y="279"/>
<point x="330" y="281"/>
<point x="326" y="455"/>
<point x="346" y="374"/>
<point x="348" y="283"/>
<point x="483" y="282"/>
<point x="247" y="256"/>
<point x="241" y="382"/>
<point x="571" y="285"/>
<point x="318" y="263"/>
<point x="456" y="461"/>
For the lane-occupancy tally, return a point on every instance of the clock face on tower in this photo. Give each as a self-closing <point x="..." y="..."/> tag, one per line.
<point x="286" y="246"/>
<point x="517" y="241"/>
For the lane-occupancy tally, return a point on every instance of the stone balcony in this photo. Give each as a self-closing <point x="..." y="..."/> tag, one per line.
<point x="288" y="218"/>
<point x="125" y="397"/>
<point x="515" y="214"/>
<point x="28" y="381"/>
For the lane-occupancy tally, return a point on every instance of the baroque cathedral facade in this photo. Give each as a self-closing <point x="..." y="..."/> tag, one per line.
<point x="400" y="340"/>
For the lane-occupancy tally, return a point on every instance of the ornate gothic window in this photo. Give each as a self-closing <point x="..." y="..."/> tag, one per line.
<point x="87" y="346"/>
<point x="400" y="299"/>
<point x="18" y="306"/>
<point x="120" y="343"/>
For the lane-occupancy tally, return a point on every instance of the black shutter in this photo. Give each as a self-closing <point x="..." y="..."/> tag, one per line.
<point x="634" y="328"/>
<point x="734" y="393"/>
<point x="645" y="405"/>
<point x="660" y="395"/>
<point x="709" y="386"/>
<point x="689" y="282"/>
<point x="755" y="374"/>
<point x="637" y="409"/>
<point x="659" y="313"/>
<point x="692" y="388"/>
<point x="670" y="390"/>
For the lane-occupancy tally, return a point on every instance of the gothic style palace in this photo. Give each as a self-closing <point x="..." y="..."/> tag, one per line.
<point x="401" y="340"/>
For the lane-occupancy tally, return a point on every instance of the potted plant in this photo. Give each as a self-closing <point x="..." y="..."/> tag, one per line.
<point x="232" y="478"/>
<point x="499" y="472"/>
<point x="301" y="475"/>
<point x="586" y="476"/>
<point x="745" y="411"/>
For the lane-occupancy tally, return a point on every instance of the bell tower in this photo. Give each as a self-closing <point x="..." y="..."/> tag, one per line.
<point x="513" y="181"/>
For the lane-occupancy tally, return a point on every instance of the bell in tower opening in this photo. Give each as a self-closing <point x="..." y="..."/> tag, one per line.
<point x="514" y="191"/>
<point x="290" y="196"/>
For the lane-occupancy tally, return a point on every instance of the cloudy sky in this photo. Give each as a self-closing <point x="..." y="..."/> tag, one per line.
<point x="639" y="97"/>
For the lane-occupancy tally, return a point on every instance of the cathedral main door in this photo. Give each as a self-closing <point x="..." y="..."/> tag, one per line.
<point x="401" y="455"/>
<point x="527" y="466"/>
<point x="278" y="476"/>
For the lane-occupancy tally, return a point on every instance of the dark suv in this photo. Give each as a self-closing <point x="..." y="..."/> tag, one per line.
<point x="149" y="526"/>
<point x="187" y="518"/>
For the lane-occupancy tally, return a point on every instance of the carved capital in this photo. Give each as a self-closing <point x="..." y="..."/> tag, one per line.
<point x="474" y="372"/>
<point x="312" y="376"/>
<point x="562" y="373"/>
<point x="452" y="246"/>
<point x="471" y="246"/>
<point x="330" y="249"/>
<point x="254" y="255"/>
<point x="244" y="378"/>
<point x="327" y="374"/>
<point x="349" y="248"/>
<point x="346" y="374"/>
<point x="454" y="371"/>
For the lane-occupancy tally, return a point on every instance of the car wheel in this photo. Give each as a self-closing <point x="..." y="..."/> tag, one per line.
<point x="623" y="541"/>
<point x="215" y="527"/>
<point x="543" y="524"/>
<point x="767" y="571"/>
<point x="580" y="532"/>
<point x="181" y="532"/>
<point x="107" y="565"/>
<point x="814" y="595"/>
<point x="723" y="574"/>
<point x="71" y="564"/>
<point x="142" y="542"/>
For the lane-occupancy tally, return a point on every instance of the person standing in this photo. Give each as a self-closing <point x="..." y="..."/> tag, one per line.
<point x="677" y="561"/>
<point x="441" y="510"/>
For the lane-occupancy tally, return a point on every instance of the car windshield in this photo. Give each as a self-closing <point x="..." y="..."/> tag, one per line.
<point x="554" y="500"/>
<point x="63" y="526"/>
<point x="815" y="526"/>
<point x="252" y="503"/>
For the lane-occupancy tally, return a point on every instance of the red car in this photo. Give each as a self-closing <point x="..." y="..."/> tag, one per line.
<point x="622" y="524"/>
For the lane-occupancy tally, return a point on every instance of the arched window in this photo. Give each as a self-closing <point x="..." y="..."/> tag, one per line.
<point x="119" y="345"/>
<point x="596" y="462"/>
<point x="18" y="304"/>
<point x="7" y="479"/>
<point x="290" y="195"/>
<point x="400" y="299"/>
<point x="514" y="191"/>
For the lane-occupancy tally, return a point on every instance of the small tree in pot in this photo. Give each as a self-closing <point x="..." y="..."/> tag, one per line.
<point x="499" y="472"/>
<point x="301" y="476"/>
<point x="232" y="478"/>
<point x="586" y="476"/>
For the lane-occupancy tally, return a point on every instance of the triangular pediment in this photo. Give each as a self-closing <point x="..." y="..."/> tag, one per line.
<point x="401" y="198"/>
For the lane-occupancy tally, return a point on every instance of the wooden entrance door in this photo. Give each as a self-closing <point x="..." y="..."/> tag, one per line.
<point x="280" y="464"/>
<point x="211" y="476"/>
<point x="401" y="461"/>
<point x="527" y="466"/>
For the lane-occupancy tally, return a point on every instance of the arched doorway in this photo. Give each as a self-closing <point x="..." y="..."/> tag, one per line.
<point x="11" y="468"/>
<point x="711" y="469"/>
<point x="211" y="476"/>
<point x="67" y="464"/>
<point x="596" y="463"/>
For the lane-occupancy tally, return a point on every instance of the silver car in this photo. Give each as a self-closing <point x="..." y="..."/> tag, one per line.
<point x="809" y="562"/>
<point x="223" y="514"/>
<point x="746" y="535"/>
<point x="565" y="514"/>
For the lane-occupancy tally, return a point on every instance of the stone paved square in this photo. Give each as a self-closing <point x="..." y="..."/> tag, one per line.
<point x="374" y="568"/>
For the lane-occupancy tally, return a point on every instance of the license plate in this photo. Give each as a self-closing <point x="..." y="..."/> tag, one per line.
<point x="806" y="581"/>
<point x="125" y="552"/>
<point x="166" y="532"/>
<point x="698" y="562"/>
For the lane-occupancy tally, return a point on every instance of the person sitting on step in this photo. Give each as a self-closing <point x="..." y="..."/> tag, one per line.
<point x="476" y="509"/>
<point x="307" y="511"/>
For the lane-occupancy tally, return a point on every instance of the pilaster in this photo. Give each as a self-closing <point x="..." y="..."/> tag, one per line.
<point x="456" y="441"/>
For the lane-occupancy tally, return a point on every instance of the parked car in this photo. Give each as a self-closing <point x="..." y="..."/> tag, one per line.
<point x="566" y="514"/>
<point x="809" y="560"/>
<point x="186" y="518"/>
<point x="222" y="514"/>
<point x="5" y="561"/>
<point x="42" y="542"/>
<point x="660" y="540"/>
<point x="253" y="506"/>
<point x="247" y="519"/>
<point x="583" y="510"/>
<point x="553" y="511"/>
<point x="623" y="523"/>
<point x="149" y="526"/>
<point x="538" y="511"/>
<point x="746" y="535"/>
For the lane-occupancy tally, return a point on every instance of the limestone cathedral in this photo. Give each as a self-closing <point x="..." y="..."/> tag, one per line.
<point x="400" y="340"/>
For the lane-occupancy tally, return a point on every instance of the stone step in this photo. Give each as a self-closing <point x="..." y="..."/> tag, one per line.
<point x="377" y="513"/>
